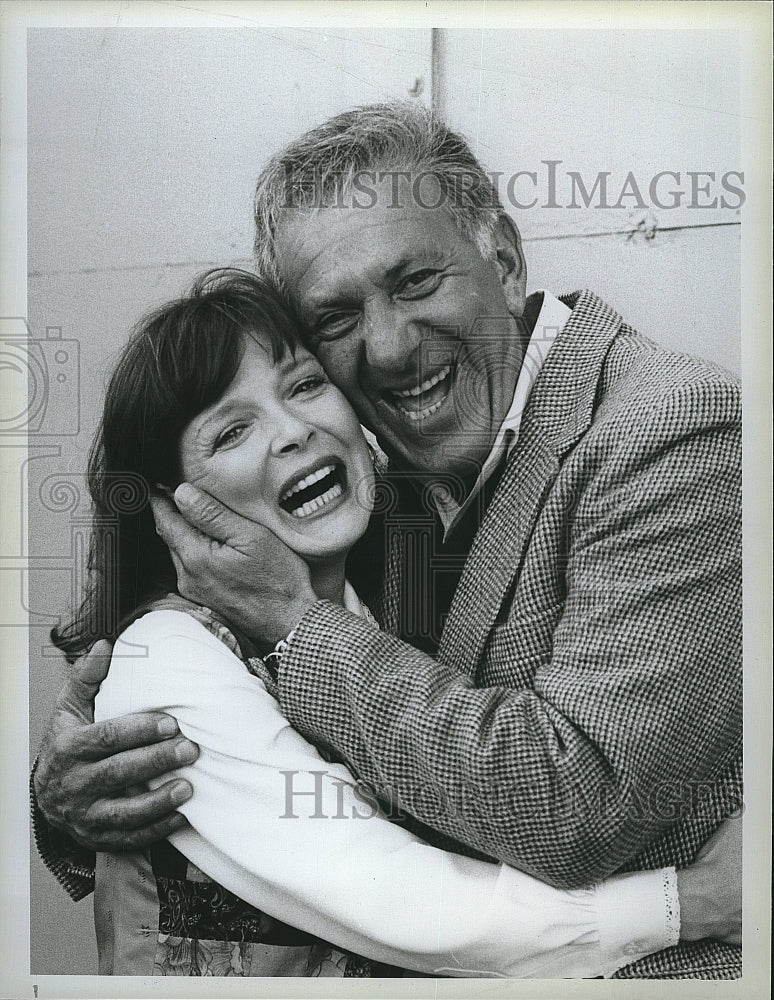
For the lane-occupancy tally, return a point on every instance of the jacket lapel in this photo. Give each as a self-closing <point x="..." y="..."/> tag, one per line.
<point x="386" y="602"/>
<point x="559" y="412"/>
<point x="496" y="555"/>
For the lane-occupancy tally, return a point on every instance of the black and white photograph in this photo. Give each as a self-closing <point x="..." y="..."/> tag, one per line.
<point x="375" y="531"/>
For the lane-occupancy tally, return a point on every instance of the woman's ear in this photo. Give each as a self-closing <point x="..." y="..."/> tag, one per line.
<point x="511" y="264"/>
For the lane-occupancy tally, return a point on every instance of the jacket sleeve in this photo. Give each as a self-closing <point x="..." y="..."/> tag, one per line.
<point x="293" y="835"/>
<point x="71" y="864"/>
<point x="640" y="701"/>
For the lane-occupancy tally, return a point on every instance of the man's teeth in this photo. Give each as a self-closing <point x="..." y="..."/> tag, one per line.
<point x="423" y="400"/>
<point x="421" y="414"/>
<point x="312" y="505"/>
<point x="309" y="480"/>
<point x="419" y="389"/>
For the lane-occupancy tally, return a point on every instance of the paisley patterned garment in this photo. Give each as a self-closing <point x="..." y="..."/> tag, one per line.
<point x="205" y="930"/>
<point x="157" y="914"/>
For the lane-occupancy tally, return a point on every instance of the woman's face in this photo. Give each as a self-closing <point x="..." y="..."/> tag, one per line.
<point x="283" y="447"/>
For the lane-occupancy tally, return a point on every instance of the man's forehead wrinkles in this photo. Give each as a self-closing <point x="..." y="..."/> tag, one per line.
<point x="333" y="282"/>
<point x="386" y="262"/>
<point x="348" y="282"/>
<point x="308" y="265"/>
<point x="335" y="227"/>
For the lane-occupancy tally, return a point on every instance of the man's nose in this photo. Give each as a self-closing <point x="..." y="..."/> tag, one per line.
<point x="390" y="340"/>
<point x="291" y="433"/>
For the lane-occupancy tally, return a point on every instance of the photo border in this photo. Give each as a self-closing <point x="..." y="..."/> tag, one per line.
<point x="753" y="20"/>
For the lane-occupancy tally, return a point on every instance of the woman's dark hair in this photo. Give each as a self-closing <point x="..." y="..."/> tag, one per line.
<point x="179" y="360"/>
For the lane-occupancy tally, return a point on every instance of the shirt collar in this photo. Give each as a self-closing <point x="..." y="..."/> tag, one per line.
<point x="355" y="606"/>
<point x="551" y="319"/>
<point x="351" y="600"/>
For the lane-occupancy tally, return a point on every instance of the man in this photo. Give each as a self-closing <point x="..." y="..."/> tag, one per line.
<point x="562" y="506"/>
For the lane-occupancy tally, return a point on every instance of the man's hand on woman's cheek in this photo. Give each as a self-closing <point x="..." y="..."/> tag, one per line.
<point x="233" y="565"/>
<point x="85" y="769"/>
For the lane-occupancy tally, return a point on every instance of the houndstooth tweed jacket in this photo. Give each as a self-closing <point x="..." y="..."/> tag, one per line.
<point x="583" y="713"/>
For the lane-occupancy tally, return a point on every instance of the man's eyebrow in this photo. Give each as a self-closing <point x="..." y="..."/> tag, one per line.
<point x="409" y="260"/>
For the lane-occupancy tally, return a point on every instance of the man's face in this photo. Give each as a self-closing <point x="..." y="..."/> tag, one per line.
<point x="412" y="324"/>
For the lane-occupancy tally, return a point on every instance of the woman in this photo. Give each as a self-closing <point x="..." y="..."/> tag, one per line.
<point x="278" y="873"/>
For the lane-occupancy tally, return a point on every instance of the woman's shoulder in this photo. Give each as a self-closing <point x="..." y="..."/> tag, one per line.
<point x="161" y="619"/>
<point x="174" y="637"/>
<point x="174" y="616"/>
<point x="168" y="657"/>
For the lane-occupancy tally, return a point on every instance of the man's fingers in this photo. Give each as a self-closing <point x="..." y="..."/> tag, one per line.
<point x="163" y="509"/>
<point x="118" y="841"/>
<point x="92" y="668"/>
<point x="127" y="732"/>
<point x="172" y="526"/>
<point x="75" y="703"/>
<point x="141" y="810"/>
<point x="179" y="569"/>
<point x="134" y="767"/>
<point x="208" y="515"/>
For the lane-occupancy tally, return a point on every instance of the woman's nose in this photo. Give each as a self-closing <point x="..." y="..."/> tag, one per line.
<point x="291" y="433"/>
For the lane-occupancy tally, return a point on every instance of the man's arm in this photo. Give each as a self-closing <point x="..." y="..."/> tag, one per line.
<point x="83" y="771"/>
<point x="641" y="697"/>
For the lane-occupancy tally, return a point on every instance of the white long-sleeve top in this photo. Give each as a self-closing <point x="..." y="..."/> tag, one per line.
<point x="293" y="835"/>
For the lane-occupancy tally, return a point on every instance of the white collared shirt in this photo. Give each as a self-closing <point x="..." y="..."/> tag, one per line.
<point x="550" y="322"/>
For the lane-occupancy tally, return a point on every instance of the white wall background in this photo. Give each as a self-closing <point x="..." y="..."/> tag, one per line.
<point x="143" y="147"/>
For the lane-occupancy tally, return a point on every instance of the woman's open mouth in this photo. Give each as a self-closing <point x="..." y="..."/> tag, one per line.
<point x="315" y="491"/>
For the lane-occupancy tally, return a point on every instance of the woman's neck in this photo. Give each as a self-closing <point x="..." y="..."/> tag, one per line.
<point x="328" y="580"/>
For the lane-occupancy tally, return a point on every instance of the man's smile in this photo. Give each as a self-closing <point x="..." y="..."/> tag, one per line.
<point x="417" y="402"/>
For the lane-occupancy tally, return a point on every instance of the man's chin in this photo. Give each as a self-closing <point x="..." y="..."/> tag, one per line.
<point x="438" y="460"/>
<point x="446" y="441"/>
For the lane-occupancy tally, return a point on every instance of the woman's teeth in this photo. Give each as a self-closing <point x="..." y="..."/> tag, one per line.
<point x="307" y="481"/>
<point x="314" y="491"/>
<point x="312" y="505"/>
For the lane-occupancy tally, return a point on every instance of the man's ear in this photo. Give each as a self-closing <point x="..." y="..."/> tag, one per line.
<point x="511" y="265"/>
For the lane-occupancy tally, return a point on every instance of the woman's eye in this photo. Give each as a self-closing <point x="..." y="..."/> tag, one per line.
<point x="230" y="436"/>
<point x="309" y="384"/>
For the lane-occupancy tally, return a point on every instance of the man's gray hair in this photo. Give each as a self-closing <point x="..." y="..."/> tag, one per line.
<point x="363" y="146"/>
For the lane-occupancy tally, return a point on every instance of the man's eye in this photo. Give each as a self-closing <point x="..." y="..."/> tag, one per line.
<point x="230" y="436"/>
<point x="335" y="325"/>
<point x="419" y="283"/>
